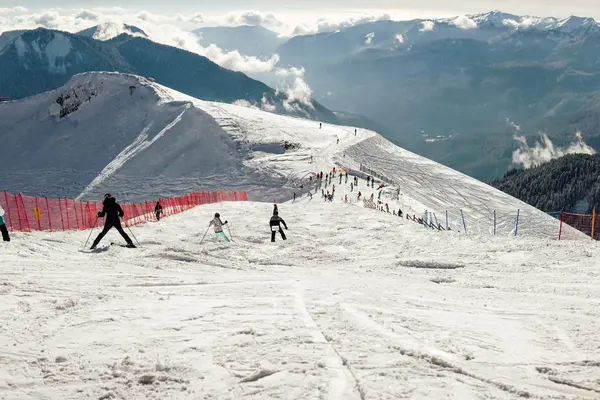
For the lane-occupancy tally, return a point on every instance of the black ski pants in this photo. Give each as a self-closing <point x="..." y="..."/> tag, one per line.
<point x="273" y="233"/>
<point x="108" y="225"/>
<point x="4" y="231"/>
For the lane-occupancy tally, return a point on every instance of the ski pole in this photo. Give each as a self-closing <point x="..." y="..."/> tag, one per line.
<point x="133" y="236"/>
<point x="204" y="235"/>
<point x="90" y="235"/>
<point x="230" y="235"/>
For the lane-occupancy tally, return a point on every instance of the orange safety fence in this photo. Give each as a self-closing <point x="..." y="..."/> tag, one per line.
<point x="26" y="213"/>
<point x="586" y="223"/>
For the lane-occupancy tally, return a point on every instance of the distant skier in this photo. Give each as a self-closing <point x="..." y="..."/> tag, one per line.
<point x="341" y="178"/>
<point x="355" y="132"/>
<point x="368" y="180"/>
<point x="113" y="212"/>
<point x="359" y="195"/>
<point x="311" y="159"/>
<point x="275" y="224"/>
<point x="352" y="187"/>
<point x="338" y="141"/>
<point x="400" y="213"/>
<point x="294" y="197"/>
<point x="346" y="198"/>
<point x="217" y="225"/>
<point x="158" y="210"/>
<point x="3" y="229"/>
<point x="320" y="125"/>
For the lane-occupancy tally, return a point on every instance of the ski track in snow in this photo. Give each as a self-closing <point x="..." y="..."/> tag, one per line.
<point x="139" y="144"/>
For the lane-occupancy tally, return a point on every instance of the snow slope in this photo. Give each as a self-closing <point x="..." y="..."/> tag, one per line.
<point x="139" y="140"/>
<point x="357" y="304"/>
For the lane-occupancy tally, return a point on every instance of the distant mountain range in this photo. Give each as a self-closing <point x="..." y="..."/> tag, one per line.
<point x="32" y="62"/>
<point x="455" y="82"/>
<point x="568" y="183"/>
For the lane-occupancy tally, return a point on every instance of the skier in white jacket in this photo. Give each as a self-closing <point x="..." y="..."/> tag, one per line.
<point x="217" y="225"/>
<point x="3" y="228"/>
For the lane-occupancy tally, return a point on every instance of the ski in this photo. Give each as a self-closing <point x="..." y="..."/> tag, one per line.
<point x="96" y="250"/>
<point x="124" y="245"/>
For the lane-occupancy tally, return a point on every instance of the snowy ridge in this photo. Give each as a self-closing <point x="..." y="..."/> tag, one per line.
<point x="198" y="145"/>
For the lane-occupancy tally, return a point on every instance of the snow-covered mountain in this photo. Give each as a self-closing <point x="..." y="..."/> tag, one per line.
<point x="110" y="30"/>
<point x="36" y="61"/>
<point x="135" y="138"/>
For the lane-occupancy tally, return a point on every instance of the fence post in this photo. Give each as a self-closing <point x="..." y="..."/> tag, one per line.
<point x="67" y="209"/>
<point x="38" y="214"/>
<point x="48" y="212"/>
<point x="76" y="216"/>
<point x="517" y="222"/>
<point x="561" y="222"/>
<point x="62" y="219"/>
<point x="8" y="210"/>
<point x="28" y="227"/>
<point x="463" y="219"/>
<point x="18" y="213"/>
<point x="593" y="221"/>
<point x="494" y="222"/>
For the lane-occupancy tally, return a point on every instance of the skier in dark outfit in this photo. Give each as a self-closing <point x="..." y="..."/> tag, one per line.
<point x="3" y="229"/>
<point x="113" y="212"/>
<point x="158" y="210"/>
<point x="275" y="222"/>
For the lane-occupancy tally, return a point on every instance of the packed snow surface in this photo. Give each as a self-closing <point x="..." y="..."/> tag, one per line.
<point x="356" y="304"/>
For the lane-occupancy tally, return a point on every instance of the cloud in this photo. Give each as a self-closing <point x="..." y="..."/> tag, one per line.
<point x="197" y="18"/>
<point x="399" y="38"/>
<point x="295" y="88"/>
<point x="238" y="62"/>
<point x="48" y="19"/>
<point x="427" y="26"/>
<point x="17" y="9"/>
<point x="464" y="22"/>
<point x="369" y="37"/>
<point x="254" y="18"/>
<point x="331" y="25"/>
<point x="88" y="15"/>
<point x="545" y="150"/>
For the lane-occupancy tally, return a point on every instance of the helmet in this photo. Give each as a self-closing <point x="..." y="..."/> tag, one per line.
<point x="107" y="195"/>
<point x="217" y="215"/>
<point x="275" y="212"/>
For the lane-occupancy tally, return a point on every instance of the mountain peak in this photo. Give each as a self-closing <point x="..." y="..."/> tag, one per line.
<point x="110" y="30"/>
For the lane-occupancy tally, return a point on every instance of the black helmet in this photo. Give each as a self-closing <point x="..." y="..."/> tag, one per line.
<point x="217" y="215"/>
<point x="275" y="212"/>
<point x="107" y="195"/>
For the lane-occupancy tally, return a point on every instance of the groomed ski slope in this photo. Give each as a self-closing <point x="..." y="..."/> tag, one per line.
<point x="140" y="140"/>
<point x="357" y="304"/>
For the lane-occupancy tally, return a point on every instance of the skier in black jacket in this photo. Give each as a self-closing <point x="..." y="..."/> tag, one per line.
<point x="158" y="210"/>
<point x="275" y="222"/>
<point x="113" y="212"/>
